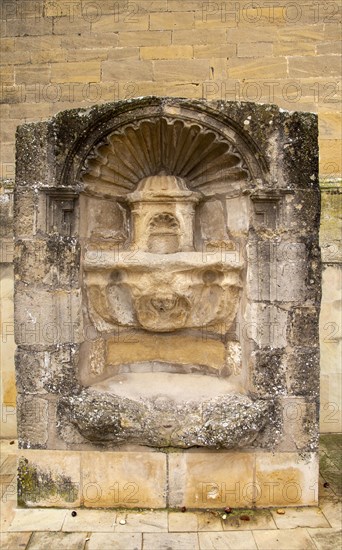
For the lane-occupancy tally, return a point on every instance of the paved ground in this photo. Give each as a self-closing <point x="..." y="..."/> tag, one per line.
<point x="317" y="528"/>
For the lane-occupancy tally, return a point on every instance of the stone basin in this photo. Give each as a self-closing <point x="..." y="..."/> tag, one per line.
<point x="167" y="387"/>
<point x="164" y="409"/>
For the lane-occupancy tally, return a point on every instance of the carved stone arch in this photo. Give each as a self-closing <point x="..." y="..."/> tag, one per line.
<point x="240" y="155"/>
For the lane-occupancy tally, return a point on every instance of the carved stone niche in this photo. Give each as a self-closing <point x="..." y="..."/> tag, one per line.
<point x="183" y="324"/>
<point x="162" y="296"/>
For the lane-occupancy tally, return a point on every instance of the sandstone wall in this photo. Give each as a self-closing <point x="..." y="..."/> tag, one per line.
<point x="62" y="54"/>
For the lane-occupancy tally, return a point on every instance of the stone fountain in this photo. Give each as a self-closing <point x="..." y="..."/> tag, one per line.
<point x="167" y="301"/>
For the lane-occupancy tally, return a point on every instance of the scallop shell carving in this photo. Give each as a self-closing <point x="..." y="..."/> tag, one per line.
<point x="139" y="150"/>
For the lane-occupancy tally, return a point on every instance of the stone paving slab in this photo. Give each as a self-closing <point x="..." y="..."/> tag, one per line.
<point x="57" y="541"/>
<point x="95" y="521"/>
<point x="284" y="539"/>
<point x="8" y="466"/>
<point x="323" y="490"/>
<point x="179" y="521"/>
<point x="324" y="539"/>
<point x="8" y="446"/>
<point x="227" y="541"/>
<point x="330" y="441"/>
<point x="332" y="509"/>
<point x="108" y="521"/>
<point x="39" y="519"/>
<point x="14" y="541"/>
<point x="333" y="477"/>
<point x="335" y="456"/>
<point x="7" y="514"/>
<point x="10" y="492"/>
<point x="210" y="521"/>
<point x="258" y="519"/>
<point x="147" y="522"/>
<point x="115" y="541"/>
<point x="170" y="541"/>
<point x="7" y="474"/>
<point x="300" y="517"/>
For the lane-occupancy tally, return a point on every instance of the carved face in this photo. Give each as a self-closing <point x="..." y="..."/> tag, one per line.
<point x="161" y="296"/>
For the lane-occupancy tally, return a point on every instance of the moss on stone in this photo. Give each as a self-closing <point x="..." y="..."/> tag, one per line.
<point x="36" y="485"/>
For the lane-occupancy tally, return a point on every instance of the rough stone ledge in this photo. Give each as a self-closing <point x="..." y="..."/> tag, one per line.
<point x="224" y="422"/>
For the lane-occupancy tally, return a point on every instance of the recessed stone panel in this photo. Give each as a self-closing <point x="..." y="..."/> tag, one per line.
<point x="174" y="349"/>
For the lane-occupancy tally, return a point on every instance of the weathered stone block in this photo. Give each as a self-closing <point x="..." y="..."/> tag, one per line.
<point x="310" y="67"/>
<point x="286" y="479"/>
<point x="213" y="50"/>
<point x="32" y="160"/>
<point x="331" y="151"/>
<point x="303" y="372"/>
<point x="49" y="479"/>
<point x="52" y="262"/>
<point x="33" y="421"/>
<point x="131" y="52"/>
<point x="48" y="317"/>
<point x="171" y="88"/>
<point x="193" y="69"/>
<point x="129" y="22"/>
<point x="27" y="26"/>
<point x="293" y="48"/>
<point x="290" y="270"/>
<point x="301" y="211"/>
<point x="303" y="326"/>
<point x="76" y="72"/>
<point x="267" y="325"/>
<point x="38" y="43"/>
<point x="24" y="211"/>
<point x="32" y="75"/>
<point x="126" y="70"/>
<point x="199" y="36"/>
<point x="29" y="371"/>
<point x="165" y="419"/>
<point x="301" y="146"/>
<point x="257" y="49"/>
<point x="331" y="226"/>
<point x="163" y="52"/>
<point x="300" y="425"/>
<point x="329" y="125"/>
<point x="210" y="480"/>
<point x="49" y="56"/>
<point x="51" y="371"/>
<point x="6" y="235"/>
<point x="257" y="68"/>
<point x="130" y="480"/>
<point x="72" y="26"/>
<point x="268" y="378"/>
<point x="165" y="21"/>
<point x="145" y="38"/>
<point x="91" y="41"/>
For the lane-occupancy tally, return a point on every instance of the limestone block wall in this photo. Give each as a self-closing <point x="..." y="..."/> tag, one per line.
<point x="61" y="54"/>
